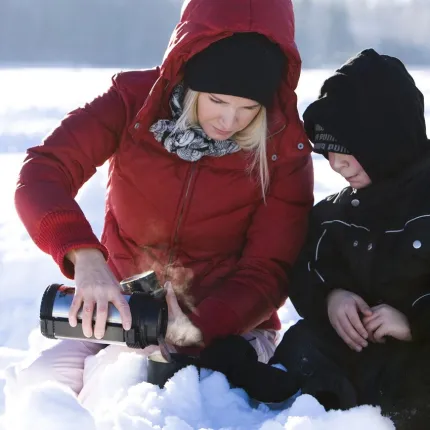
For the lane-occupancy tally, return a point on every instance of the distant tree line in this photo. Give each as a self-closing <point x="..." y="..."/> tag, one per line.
<point x="330" y="31"/>
<point x="135" y="33"/>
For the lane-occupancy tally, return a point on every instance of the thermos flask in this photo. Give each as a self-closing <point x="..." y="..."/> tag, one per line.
<point x="147" y="305"/>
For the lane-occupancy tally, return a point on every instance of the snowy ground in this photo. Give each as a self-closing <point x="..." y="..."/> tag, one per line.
<point x="31" y="103"/>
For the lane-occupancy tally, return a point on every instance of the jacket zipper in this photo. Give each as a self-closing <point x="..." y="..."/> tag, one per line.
<point x="184" y="201"/>
<point x="276" y="132"/>
<point x="178" y="224"/>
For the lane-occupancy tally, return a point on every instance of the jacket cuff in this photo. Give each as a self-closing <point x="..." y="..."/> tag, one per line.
<point x="419" y="319"/>
<point x="215" y="320"/>
<point x="61" y="232"/>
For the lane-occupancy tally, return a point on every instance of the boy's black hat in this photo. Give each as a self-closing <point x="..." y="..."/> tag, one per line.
<point x="245" y="65"/>
<point x="325" y="142"/>
<point x="373" y="107"/>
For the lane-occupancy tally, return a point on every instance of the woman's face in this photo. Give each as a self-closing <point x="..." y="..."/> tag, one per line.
<point x="222" y="116"/>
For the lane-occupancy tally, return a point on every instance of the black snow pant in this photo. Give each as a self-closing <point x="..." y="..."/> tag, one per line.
<point x="394" y="375"/>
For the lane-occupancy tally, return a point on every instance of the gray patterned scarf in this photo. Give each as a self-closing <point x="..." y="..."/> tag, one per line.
<point x="192" y="143"/>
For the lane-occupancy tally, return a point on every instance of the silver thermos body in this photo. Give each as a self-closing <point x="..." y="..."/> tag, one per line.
<point x="147" y="304"/>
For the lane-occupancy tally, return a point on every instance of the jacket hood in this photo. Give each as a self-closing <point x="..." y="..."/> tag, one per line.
<point x="206" y="21"/>
<point x="373" y="108"/>
<point x="203" y="22"/>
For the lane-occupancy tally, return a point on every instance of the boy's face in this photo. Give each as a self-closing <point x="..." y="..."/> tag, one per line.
<point x="348" y="166"/>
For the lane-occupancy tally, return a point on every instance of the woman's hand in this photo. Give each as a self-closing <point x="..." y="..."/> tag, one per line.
<point x="95" y="287"/>
<point x="344" y="309"/>
<point x="387" y="321"/>
<point x="180" y="330"/>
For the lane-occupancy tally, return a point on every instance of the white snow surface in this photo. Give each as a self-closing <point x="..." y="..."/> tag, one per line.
<point x="32" y="102"/>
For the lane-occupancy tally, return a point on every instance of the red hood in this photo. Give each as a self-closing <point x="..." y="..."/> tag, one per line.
<point x="205" y="21"/>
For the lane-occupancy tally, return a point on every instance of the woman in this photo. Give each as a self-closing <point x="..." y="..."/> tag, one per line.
<point x="210" y="171"/>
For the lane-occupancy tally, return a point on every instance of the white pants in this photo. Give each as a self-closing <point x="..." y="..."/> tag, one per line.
<point x="70" y="362"/>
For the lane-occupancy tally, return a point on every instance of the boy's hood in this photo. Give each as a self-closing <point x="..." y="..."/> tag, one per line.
<point x="374" y="109"/>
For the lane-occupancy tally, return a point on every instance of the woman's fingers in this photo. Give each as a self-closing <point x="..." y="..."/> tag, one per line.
<point x="87" y="317"/>
<point x="74" y="309"/>
<point x="92" y="303"/>
<point x="101" y="318"/>
<point x="172" y="301"/>
<point x="101" y="308"/>
<point x="123" y="307"/>
<point x="96" y="287"/>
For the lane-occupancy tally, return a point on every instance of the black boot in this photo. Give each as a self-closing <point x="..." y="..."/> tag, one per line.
<point x="317" y="374"/>
<point x="237" y="360"/>
<point x="160" y="371"/>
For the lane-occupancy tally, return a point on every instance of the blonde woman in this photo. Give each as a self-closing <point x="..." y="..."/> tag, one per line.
<point x="210" y="172"/>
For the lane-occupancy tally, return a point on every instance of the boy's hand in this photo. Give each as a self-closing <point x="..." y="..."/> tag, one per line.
<point x="344" y="310"/>
<point x="387" y="321"/>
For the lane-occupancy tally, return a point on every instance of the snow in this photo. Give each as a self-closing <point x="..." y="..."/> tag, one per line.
<point x="32" y="103"/>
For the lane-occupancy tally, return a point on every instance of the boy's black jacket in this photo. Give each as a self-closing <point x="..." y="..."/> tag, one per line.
<point x="374" y="242"/>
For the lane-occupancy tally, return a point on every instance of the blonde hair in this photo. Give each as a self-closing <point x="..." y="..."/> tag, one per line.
<point x="253" y="138"/>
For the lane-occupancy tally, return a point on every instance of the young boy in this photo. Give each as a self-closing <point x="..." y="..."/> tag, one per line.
<point x="362" y="283"/>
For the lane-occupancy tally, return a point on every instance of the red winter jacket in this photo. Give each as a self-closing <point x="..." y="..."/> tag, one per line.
<point x="207" y="216"/>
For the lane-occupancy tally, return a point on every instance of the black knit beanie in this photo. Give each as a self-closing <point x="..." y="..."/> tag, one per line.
<point x="245" y="65"/>
<point x="374" y="109"/>
<point x="325" y="142"/>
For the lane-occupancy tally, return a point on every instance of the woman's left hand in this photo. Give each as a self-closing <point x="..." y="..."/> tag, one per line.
<point x="180" y="330"/>
<point x="387" y="321"/>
